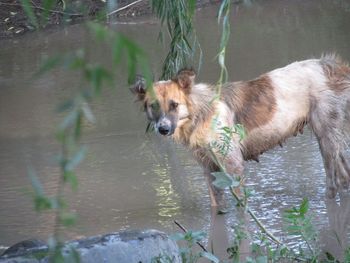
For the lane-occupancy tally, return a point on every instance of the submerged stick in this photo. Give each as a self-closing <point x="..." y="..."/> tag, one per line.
<point x="185" y="231"/>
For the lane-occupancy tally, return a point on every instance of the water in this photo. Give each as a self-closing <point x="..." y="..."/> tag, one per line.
<point x="133" y="180"/>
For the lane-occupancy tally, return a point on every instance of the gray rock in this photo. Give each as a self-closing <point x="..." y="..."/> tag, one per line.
<point x="122" y="247"/>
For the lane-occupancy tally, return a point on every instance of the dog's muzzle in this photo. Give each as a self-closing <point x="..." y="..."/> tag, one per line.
<point x="164" y="127"/>
<point x="164" y="130"/>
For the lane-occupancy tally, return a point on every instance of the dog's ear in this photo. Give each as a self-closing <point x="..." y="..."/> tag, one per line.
<point x="139" y="88"/>
<point x="185" y="79"/>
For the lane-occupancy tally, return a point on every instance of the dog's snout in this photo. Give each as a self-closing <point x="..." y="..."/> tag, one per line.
<point x="164" y="126"/>
<point x="164" y="130"/>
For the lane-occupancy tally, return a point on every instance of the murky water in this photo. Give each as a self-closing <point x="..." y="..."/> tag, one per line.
<point x="131" y="180"/>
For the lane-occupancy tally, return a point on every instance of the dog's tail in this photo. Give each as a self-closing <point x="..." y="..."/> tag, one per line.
<point x="330" y="121"/>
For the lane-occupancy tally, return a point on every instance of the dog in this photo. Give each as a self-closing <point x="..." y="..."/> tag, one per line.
<point x="271" y="108"/>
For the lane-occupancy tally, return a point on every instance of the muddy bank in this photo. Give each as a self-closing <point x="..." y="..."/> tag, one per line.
<point x="14" y="22"/>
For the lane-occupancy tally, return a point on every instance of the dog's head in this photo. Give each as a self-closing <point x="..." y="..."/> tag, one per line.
<point x="167" y="103"/>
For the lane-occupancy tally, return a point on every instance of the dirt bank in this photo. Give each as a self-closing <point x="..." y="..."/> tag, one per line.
<point x="14" y="22"/>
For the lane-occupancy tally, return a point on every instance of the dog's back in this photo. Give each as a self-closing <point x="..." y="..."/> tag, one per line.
<point x="279" y="103"/>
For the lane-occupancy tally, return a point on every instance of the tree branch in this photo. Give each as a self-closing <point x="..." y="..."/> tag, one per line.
<point x="185" y="231"/>
<point x="124" y="7"/>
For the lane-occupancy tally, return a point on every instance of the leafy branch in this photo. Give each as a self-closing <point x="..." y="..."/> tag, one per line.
<point x="78" y="112"/>
<point x="224" y="18"/>
<point x="178" y="17"/>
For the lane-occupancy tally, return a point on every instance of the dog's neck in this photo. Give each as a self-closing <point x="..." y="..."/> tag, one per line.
<point x="201" y="102"/>
<point x="200" y="108"/>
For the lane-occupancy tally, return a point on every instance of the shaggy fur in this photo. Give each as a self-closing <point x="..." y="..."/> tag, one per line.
<point x="271" y="108"/>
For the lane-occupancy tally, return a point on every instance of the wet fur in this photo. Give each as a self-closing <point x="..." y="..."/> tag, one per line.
<point x="271" y="108"/>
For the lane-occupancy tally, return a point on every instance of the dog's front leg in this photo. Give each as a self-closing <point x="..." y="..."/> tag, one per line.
<point x="233" y="164"/>
<point x="216" y="194"/>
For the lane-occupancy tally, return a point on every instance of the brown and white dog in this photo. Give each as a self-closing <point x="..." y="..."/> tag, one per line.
<point x="271" y="108"/>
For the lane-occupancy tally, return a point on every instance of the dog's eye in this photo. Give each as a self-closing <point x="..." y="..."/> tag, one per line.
<point x="155" y="106"/>
<point x="173" y="105"/>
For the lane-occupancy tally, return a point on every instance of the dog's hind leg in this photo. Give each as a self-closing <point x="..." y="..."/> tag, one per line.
<point x="328" y="121"/>
<point x="216" y="194"/>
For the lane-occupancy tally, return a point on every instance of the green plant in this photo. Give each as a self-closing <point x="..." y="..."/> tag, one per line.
<point x="299" y="223"/>
<point x="94" y="77"/>
<point x="178" y="17"/>
<point x="223" y="145"/>
<point x="240" y="234"/>
<point x="188" y="253"/>
<point x="224" y="16"/>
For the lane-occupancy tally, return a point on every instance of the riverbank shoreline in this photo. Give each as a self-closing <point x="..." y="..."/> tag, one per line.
<point x="14" y="21"/>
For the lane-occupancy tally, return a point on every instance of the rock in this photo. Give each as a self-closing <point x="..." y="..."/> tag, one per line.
<point x="121" y="247"/>
<point x="23" y="246"/>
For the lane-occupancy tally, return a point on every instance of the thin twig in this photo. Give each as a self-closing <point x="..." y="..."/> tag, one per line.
<point x="124" y="7"/>
<point x="257" y="220"/>
<point x="41" y="8"/>
<point x="251" y="213"/>
<point x="185" y="231"/>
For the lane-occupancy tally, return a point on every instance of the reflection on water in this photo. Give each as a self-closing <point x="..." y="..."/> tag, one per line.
<point x="167" y="198"/>
<point x="130" y="180"/>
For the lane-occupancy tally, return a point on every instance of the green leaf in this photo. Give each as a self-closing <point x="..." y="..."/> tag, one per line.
<point x="250" y="260"/>
<point x="77" y="128"/>
<point x="75" y="61"/>
<point x="70" y="176"/>
<point x="239" y="129"/>
<point x="223" y="180"/>
<point x="27" y="7"/>
<point x="76" y="159"/>
<point x="329" y="256"/>
<point x="261" y="259"/>
<point x="347" y="255"/>
<point x="40" y="255"/>
<point x="36" y="184"/>
<point x="47" y="5"/>
<point x="73" y="256"/>
<point x="191" y="7"/>
<point x="89" y="116"/>
<point x="69" y="120"/>
<point x="66" y="105"/>
<point x="150" y="127"/>
<point x="67" y="219"/>
<point x="42" y="203"/>
<point x="100" y="32"/>
<point x="48" y="64"/>
<point x="117" y="49"/>
<point x="96" y="75"/>
<point x="60" y="136"/>
<point x="198" y="235"/>
<point x="177" y="236"/>
<point x="304" y="207"/>
<point x="294" y="229"/>
<point x="209" y="256"/>
<point x="57" y="257"/>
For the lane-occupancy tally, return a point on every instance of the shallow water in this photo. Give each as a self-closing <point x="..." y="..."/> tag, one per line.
<point x="133" y="180"/>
